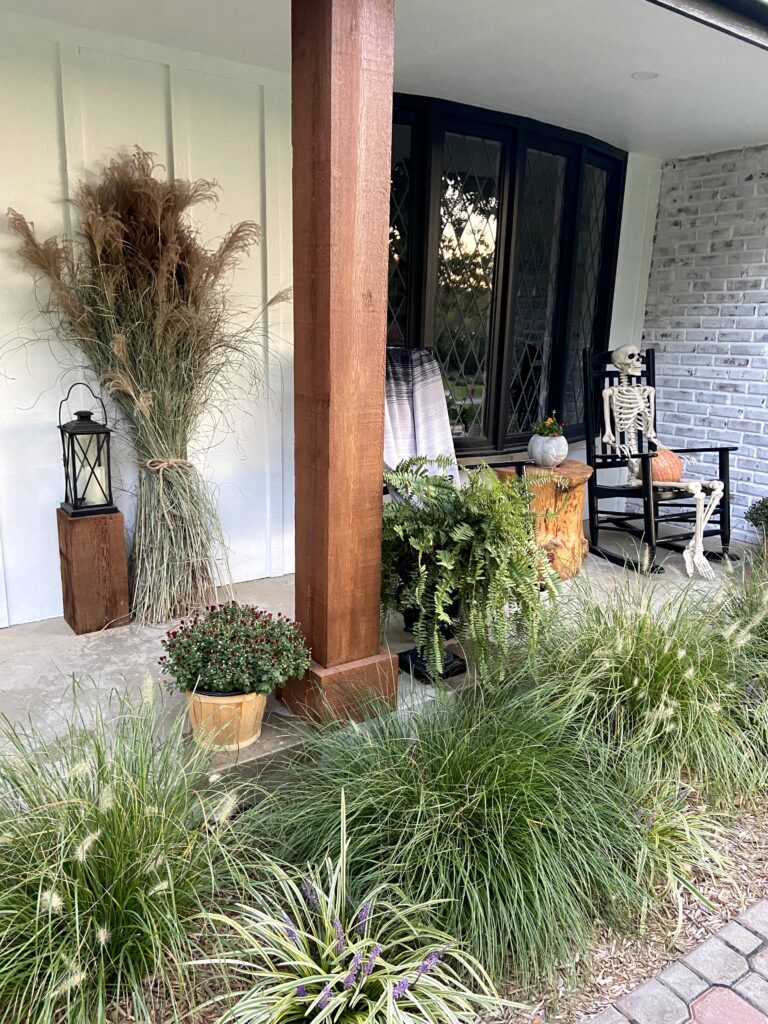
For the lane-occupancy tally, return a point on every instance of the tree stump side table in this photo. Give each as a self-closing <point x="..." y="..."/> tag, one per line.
<point x="559" y="506"/>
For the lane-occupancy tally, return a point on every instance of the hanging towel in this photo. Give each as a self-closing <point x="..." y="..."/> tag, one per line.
<point x="415" y="411"/>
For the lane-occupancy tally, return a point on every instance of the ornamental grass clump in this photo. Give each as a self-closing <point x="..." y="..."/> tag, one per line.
<point x="109" y="853"/>
<point x="747" y="608"/>
<point x="494" y="809"/>
<point x="137" y="296"/>
<point x="670" y="681"/>
<point x="304" y="949"/>
<point x="234" y="648"/>
<point x="471" y="549"/>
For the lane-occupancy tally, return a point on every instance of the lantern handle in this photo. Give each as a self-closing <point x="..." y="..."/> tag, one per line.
<point x="82" y="384"/>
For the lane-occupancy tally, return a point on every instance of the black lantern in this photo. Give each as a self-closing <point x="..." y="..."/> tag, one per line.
<point x="87" y="466"/>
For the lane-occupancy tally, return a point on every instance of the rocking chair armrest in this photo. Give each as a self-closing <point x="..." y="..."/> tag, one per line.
<point x="701" y="451"/>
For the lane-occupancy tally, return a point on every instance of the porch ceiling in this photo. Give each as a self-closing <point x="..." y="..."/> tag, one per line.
<point x="567" y="62"/>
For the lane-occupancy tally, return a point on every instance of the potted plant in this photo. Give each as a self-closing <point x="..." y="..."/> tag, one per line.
<point x="757" y="515"/>
<point x="460" y="553"/>
<point x="227" y="660"/>
<point x="548" y="446"/>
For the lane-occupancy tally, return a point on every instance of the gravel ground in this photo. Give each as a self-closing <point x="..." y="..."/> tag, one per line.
<point x="617" y="964"/>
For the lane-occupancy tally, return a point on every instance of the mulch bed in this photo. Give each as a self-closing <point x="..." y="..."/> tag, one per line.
<point x="617" y="964"/>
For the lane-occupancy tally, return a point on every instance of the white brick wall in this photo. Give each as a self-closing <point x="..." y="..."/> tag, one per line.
<point x="707" y="312"/>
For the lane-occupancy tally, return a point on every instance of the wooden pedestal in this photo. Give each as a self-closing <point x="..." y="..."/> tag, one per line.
<point x="343" y="691"/>
<point x="559" y="506"/>
<point x="94" y="571"/>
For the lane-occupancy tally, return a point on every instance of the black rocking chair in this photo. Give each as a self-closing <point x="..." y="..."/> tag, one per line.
<point x="645" y="524"/>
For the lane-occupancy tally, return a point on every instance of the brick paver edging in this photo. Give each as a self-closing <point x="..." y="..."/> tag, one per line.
<point x="722" y="981"/>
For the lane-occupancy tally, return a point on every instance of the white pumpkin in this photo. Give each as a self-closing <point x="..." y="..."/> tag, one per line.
<point x="548" y="451"/>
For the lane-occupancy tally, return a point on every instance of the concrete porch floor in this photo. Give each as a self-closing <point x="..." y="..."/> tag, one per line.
<point x="39" y="660"/>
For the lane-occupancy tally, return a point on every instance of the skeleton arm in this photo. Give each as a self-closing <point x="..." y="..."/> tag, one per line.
<point x="650" y="394"/>
<point x="608" y="436"/>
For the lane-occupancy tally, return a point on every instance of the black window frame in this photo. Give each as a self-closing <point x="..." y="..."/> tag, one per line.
<point x="429" y="119"/>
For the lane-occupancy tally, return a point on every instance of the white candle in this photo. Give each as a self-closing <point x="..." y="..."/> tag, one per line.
<point x="96" y="488"/>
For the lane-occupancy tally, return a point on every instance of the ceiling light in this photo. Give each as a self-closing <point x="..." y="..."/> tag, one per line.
<point x="644" y="76"/>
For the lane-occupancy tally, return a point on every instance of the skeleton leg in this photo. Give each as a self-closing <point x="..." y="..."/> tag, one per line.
<point x="694" y="548"/>
<point x="700" y="559"/>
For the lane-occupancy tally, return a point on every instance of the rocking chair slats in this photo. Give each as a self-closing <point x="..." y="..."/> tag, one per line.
<point x="659" y="507"/>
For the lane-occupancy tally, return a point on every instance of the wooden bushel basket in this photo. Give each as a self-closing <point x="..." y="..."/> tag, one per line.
<point x="229" y="721"/>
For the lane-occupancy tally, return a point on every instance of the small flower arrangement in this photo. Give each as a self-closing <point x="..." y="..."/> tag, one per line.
<point x="234" y="648"/>
<point x="757" y="515"/>
<point x="308" y="952"/>
<point x="550" y="427"/>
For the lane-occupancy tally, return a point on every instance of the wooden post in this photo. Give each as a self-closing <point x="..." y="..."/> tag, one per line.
<point x="94" y="570"/>
<point x="342" y="130"/>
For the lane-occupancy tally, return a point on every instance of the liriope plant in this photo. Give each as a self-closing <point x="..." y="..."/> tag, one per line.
<point x="304" y="950"/>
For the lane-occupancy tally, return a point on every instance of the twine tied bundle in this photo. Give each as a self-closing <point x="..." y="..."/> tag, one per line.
<point x="161" y="466"/>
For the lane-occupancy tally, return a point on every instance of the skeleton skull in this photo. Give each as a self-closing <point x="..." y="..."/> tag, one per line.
<point x="628" y="360"/>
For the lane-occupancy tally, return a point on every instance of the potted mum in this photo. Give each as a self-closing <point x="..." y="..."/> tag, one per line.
<point x="227" y="660"/>
<point x="548" y="446"/>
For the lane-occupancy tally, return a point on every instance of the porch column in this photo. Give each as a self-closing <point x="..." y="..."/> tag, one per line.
<point x="342" y="65"/>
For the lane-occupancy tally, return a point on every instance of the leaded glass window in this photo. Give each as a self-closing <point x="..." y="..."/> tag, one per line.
<point x="400" y="218"/>
<point x="538" y="262"/>
<point x="589" y="254"/>
<point x="502" y="250"/>
<point x="469" y="205"/>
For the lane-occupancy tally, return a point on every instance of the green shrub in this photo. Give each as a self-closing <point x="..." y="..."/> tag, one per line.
<point x="666" y="681"/>
<point x="305" y="950"/>
<point x="757" y="515"/>
<point x="234" y="648"/>
<point x="481" y="802"/>
<point x="109" y="852"/>
<point x="470" y="547"/>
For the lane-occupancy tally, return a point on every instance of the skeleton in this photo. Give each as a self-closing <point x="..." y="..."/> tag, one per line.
<point x="628" y="408"/>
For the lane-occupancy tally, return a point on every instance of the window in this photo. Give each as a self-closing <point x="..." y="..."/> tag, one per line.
<point x="503" y="239"/>
<point x="755" y="10"/>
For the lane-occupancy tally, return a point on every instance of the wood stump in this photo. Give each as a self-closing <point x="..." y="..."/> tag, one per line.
<point x="94" y="570"/>
<point x="558" y="501"/>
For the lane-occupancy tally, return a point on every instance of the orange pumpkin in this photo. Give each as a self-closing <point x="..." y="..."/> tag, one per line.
<point x="667" y="466"/>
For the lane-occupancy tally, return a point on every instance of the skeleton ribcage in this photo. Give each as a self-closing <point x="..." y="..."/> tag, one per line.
<point x="631" y="409"/>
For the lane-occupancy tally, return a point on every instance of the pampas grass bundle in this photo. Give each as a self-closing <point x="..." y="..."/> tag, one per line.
<point x="141" y="298"/>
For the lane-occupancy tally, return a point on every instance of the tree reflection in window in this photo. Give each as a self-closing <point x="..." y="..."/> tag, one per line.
<point x="399" y="234"/>
<point x="469" y="209"/>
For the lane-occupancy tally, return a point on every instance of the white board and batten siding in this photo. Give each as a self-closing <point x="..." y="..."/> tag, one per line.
<point x="70" y="100"/>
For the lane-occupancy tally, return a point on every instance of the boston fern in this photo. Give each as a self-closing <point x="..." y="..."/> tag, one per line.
<point x="472" y="549"/>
